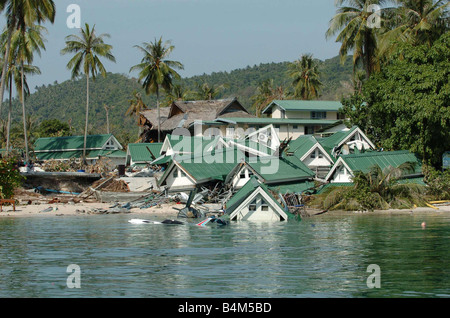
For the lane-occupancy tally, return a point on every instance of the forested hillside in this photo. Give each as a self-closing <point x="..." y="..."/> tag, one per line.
<point x="66" y="101"/>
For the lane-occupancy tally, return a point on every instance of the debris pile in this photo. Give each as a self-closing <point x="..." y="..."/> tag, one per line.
<point x="111" y="184"/>
<point x="102" y="165"/>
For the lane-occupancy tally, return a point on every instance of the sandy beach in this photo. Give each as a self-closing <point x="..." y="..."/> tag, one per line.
<point x="166" y="210"/>
<point x="86" y="208"/>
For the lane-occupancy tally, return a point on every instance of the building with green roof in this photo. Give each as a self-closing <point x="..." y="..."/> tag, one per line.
<point x="70" y="147"/>
<point x="142" y="154"/>
<point x="286" y="171"/>
<point x="291" y="118"/>
<point x="320" y="154"/>
<point x="346" y="166"/>
<point x="346" y="142"/>
<point x="186" y="172"/>
<point x="255" y="202"/>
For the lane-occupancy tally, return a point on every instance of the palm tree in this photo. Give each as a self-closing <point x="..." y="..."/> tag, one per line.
<point x="88" y="49"/>
<point x="177" y="93"/>
<point x="266" y="92"/>
<point x="306" y="77"/>
<point x="23" y="44"/>
<point x="355" y="34"/>
<point x="208" y="92"/>
<point x="14" y="73"/>
<point x="416" y="22"/>
<point x="136" y="106"/>
<point x="155" y="71"/>
<point x="21" y="14"/>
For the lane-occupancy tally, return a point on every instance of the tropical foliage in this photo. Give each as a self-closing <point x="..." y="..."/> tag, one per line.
<point x="438" y="183"/>
<point x="405" y="106"/>
<point x="376" y="189"/>
<point x="10" y="178"/>
<point x="305" y="76"/>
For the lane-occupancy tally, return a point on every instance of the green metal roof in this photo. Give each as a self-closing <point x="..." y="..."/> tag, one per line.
<point x="71" y="142"/>
<point x="275" y="169"/>
<point x="215" y="165"/>
<point x="113" y="153"/>
<point x="273" y="121"/>
<point x="364" y="161"/>
<point x="292" y="187"/>
<point x="93" y="154"/>
<point x="162" y="160"/>
<point x="140" y="153"/>
<point x="304" y="105"/>
<point x="335" y="139"/>
<point x="302" y="145"/>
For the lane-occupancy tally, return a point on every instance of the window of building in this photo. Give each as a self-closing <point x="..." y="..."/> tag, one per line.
<point x="318" y="115"/>
<point x="175" y="173"/>
<point x="295" y="127"/>
<point x="182" y="173"/>
<point x="252" y="206"/>
<point x="313" y="155"/>
<point x="264" y="206"/>
<point x="109" y="145"/>
<point x="309" y="130"/>
<point x="242" y="175"/>
<point x="340" y="116"/>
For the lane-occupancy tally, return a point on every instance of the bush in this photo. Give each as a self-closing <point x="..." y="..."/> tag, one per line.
<point x="10" y="178"/>
<point x="438" y="183"/>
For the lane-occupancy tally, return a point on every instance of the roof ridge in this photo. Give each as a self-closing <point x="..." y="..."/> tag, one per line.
<point x="376" y="153"/>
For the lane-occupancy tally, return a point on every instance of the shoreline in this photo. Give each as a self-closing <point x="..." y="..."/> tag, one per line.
<point x="85" y="209"/>
<point x="165" y="210"/>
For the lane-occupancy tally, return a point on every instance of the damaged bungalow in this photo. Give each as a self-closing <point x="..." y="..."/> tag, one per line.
<point x="187" y="172"/>
<point x="283" y="171"/>
<point x="320" y="154"/>
<point x="254" y="202"/>
<point x="184" y="115"/>
<point x="345" y="167"/>
<point x="142" y="154"/>
<point x="71" y="147"/>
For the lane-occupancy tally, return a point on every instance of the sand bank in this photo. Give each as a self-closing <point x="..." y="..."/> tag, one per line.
<point x="83" y="209"/>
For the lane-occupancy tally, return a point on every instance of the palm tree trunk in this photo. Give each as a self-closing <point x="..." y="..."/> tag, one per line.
<point x="87" y="118"/>
<point x="24" y="116"/>
<point x="159" y="115"/>
<point x="8" y="127"/>
<point x="5" y="65"/>
<point x="107" y="122"/>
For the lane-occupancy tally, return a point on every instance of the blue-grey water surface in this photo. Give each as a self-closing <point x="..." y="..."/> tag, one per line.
<point x="324" y="256"/>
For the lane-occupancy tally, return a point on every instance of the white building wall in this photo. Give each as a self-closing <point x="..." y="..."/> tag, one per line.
<point x="179" y="181"/>
<point x="341" y="175"/>
<point x="258" y="215"/>
<point x="317" y="161"/>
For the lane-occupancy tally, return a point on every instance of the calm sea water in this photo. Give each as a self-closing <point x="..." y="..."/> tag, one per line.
<point x="325" y="256"/>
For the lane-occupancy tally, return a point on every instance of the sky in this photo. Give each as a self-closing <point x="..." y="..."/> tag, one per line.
<point x="208" y="35"/>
